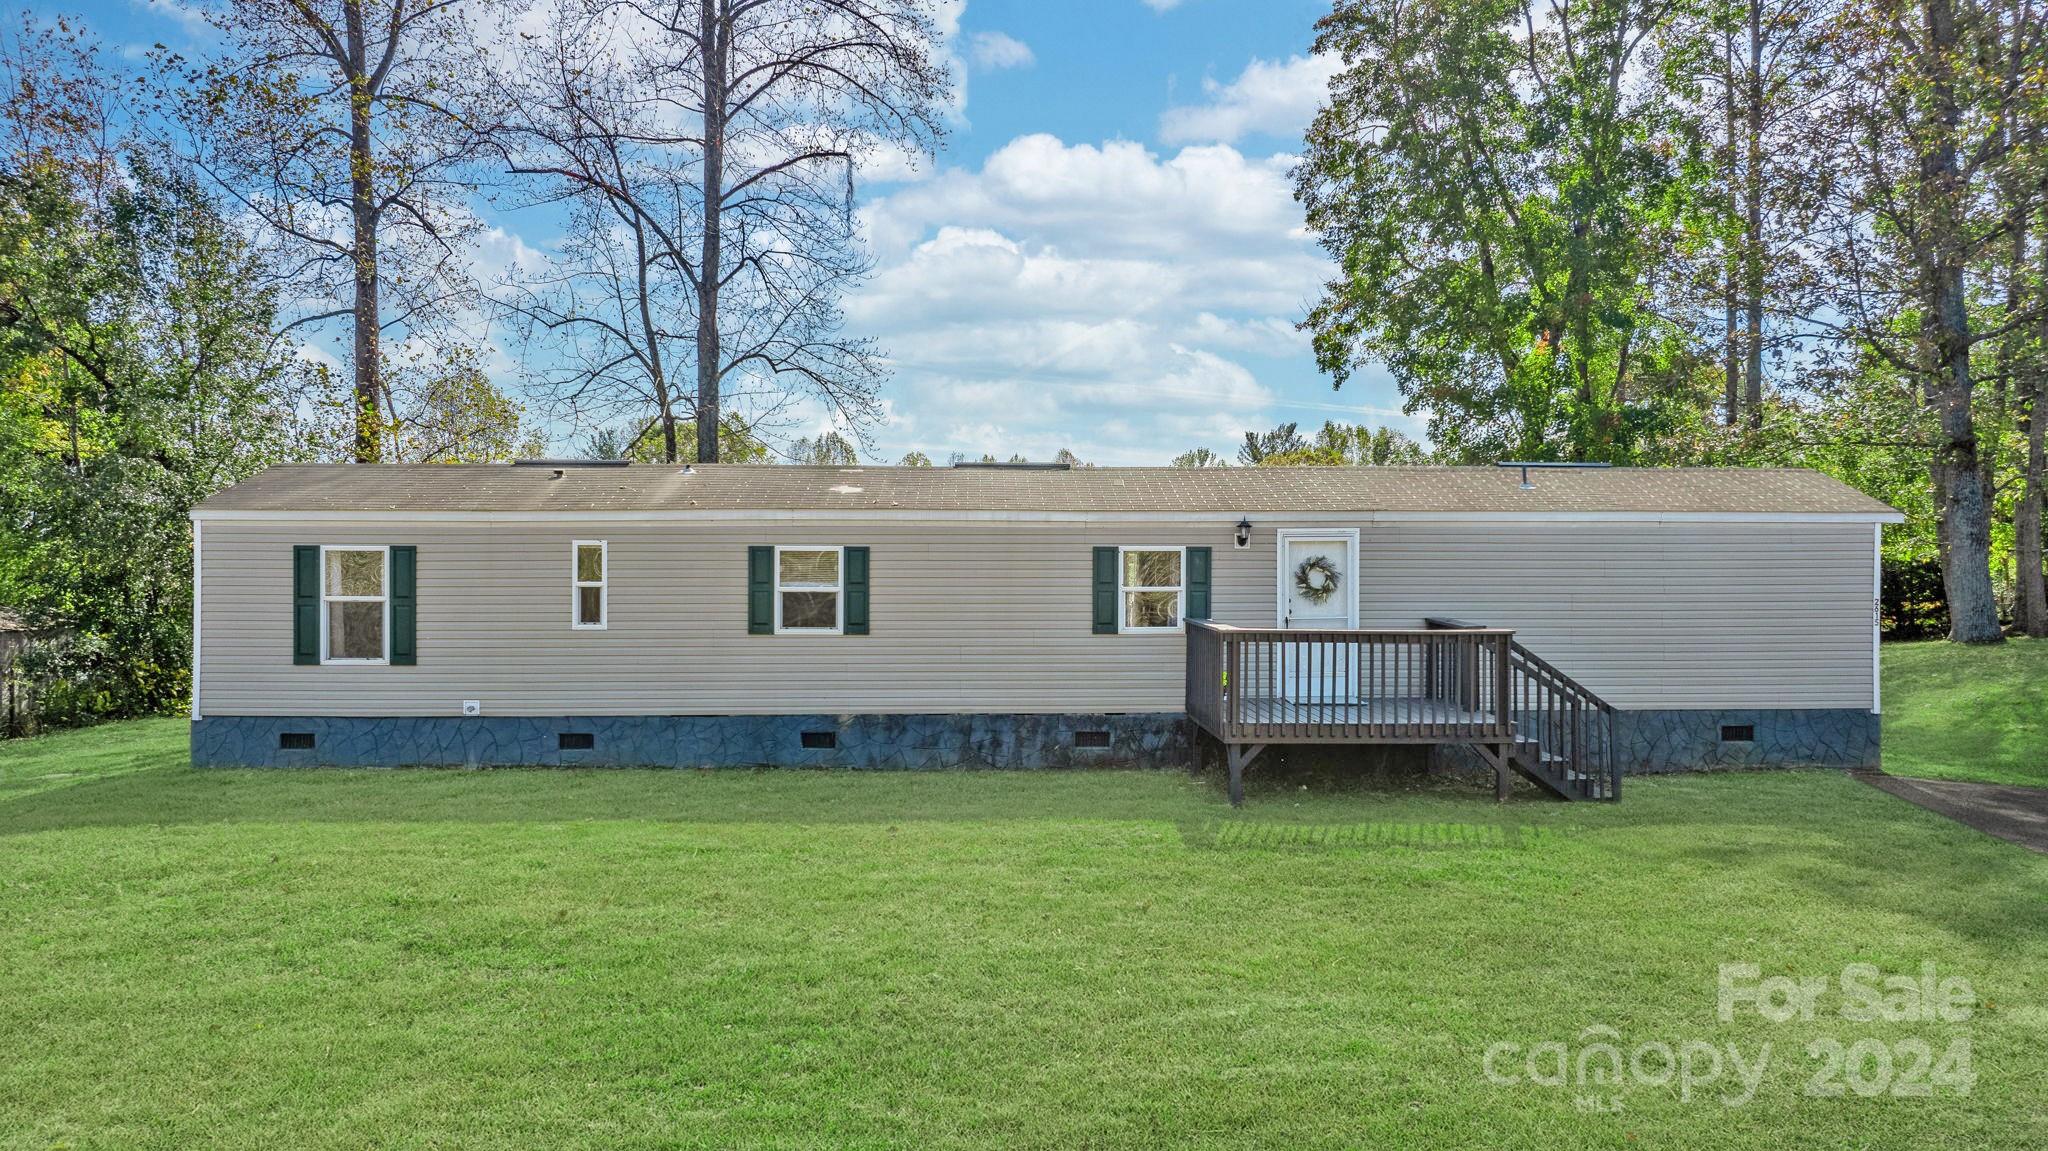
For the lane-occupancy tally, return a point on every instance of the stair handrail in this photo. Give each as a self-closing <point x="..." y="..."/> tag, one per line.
<point x="1588" y="747"/>
<point x="1578" y="747"/>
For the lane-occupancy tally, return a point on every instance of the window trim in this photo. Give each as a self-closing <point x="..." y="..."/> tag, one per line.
<point x="327" y="660"/>
<point x="838" y="590"/>
<point x="577" y="584"/>
<point x="1123" y="590"/>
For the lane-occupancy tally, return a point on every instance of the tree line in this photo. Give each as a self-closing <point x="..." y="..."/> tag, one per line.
<point x="1803" y="232"/>
<point x="1799" y="232"/>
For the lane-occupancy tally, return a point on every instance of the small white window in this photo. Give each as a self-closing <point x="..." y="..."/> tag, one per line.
<point x="589" y="584"/>
<point x="1151" y="588"/>
<point x="807" y="587"/>
<point x="355" y="621"/>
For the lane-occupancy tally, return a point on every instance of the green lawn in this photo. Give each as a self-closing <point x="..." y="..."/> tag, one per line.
<point x="637" y="959"/>
<point x="1976" y="713"/>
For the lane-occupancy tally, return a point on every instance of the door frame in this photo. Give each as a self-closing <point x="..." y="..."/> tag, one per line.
<point x="1282" y="573"/>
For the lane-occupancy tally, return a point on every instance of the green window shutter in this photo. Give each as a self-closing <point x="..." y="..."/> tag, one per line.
<point x="760" y="591"/>
<point x="856" y="576"/>
<point x="1105" y="591"/>
<point x="305" y="604"/>
<point x="1198" y="583"/>
<point x="405" y="618"/>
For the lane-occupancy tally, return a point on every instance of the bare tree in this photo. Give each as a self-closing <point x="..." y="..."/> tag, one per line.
<point x="339" y="124"/>
<point x="725" y="136"/>
<point x="604" y="326"/>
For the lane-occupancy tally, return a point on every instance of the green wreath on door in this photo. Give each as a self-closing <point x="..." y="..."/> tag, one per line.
<point x="1316" y="579"/>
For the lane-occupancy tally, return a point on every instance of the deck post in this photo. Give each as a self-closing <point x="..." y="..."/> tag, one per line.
<point x="1240" y="755"/>
<point x="1503" y="783"/>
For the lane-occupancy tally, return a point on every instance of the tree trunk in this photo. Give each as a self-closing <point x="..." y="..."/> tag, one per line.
<point x="714" y="42"/>
<point x="1753" y="232"/>
<point x="650" y="336"/>
<point x="2031" y="598"/>
<point x="363" y="211"/>
<point x="1958" y="485"/>
<point x="1731" y="289"/>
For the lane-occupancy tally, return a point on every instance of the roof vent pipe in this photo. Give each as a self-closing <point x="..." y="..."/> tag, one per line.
<point x="1525" y="465"/>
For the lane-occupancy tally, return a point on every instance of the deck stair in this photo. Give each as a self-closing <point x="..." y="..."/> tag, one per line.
<point x="1448" y="683"/>
<point x="1564" y="734"/>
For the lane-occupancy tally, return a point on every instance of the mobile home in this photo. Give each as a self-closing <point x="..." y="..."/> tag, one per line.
<point x="1574" y="624"/>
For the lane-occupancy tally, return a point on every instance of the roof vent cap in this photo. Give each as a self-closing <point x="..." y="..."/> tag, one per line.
<point x="1013" y="466"/>
<point x="1525" y="465"/>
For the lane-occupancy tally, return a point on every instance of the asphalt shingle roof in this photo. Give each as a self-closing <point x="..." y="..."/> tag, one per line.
<point x="743" y="487"/>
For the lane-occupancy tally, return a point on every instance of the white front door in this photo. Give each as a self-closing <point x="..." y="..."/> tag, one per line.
<point x="1318" y="592"/>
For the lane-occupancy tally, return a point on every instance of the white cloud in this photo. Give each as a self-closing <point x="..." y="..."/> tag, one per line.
<point x="1162" y="5"/>
<point x="1267" y="335"/>
<point x="991" y="51"/>
<point x="1105" y="298"/>
<point x="1272" y="98"/>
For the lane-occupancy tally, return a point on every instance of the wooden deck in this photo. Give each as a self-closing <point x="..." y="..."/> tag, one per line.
<point x="1445" y="684"/>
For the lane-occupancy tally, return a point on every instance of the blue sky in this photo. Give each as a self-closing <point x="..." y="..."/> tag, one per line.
<point x="1105" y="256"/>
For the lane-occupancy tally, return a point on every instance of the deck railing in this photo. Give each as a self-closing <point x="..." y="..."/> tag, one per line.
<point x="1259" y="685"/>
<point x="1563" y="731"/>
<point x="1571" y="728"/>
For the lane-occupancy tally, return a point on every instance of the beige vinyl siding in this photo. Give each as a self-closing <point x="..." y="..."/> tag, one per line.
<point x="1649" y="615"/>
<point x="993" y="616"/>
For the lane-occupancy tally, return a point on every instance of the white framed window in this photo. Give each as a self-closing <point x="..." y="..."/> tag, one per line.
<point x="590" y="573"/>
<point x="809" y="591"/>
<point x="355" y="605"/>
<point x="1152" y="589"/>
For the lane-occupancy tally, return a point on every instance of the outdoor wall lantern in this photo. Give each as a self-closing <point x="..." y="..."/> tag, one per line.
<point x="1244" y="533"/>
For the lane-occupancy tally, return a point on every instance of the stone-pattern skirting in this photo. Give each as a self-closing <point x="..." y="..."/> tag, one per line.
<point x="1653" y="742"/>
<point x="1657" y="741"/>
<point x="902" y="742"/>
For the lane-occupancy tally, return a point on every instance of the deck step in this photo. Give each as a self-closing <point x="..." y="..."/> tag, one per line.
<point x="1547" y="769"/>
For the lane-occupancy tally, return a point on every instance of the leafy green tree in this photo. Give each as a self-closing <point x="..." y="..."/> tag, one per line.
<point x="1928" y="178"/>
<point x="1281" y="441"/>
<point x="140" y="375"/>
<point x="1335" y="445"/>
<point x="914" y="459"/>
<point x="645" y="442"/>
<point x="825" y="448"/>
<point x="1501" y="189"/>
<point x="1199" y="458"/>
<point x="1363" y="446"/>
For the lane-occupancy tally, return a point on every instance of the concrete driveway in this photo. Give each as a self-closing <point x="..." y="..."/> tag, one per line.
<point x="2015" y="814"/>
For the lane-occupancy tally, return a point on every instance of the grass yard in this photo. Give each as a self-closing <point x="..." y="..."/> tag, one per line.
<point x="1972" y="713"/>
<point x="638" y="959"/>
